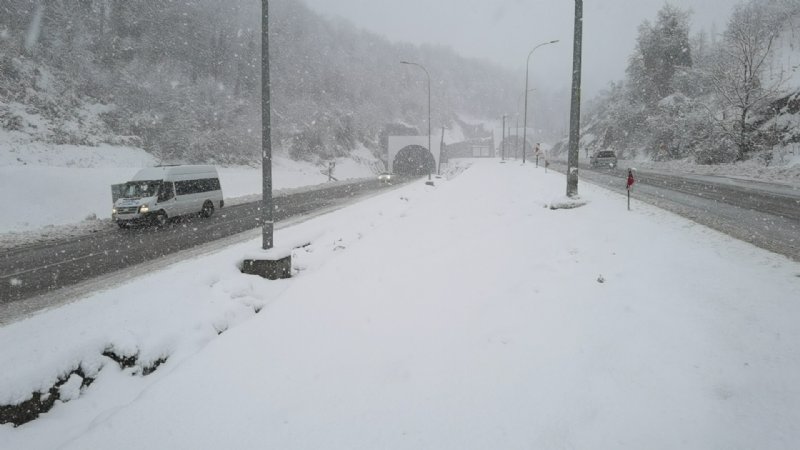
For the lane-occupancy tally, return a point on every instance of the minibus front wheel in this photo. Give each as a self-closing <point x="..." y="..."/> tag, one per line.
<point x="161" y="218"/>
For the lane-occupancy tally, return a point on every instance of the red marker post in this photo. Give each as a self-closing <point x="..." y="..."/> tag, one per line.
<point x="631" y="180"/>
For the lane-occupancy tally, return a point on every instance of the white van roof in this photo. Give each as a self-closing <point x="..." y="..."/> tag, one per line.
<point x="167" y="172"/>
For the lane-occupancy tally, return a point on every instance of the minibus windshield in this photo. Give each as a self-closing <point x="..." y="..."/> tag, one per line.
<point x="140" y="189"/>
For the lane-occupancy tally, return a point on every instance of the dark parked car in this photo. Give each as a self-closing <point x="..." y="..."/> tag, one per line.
<point x="605" y="158"/>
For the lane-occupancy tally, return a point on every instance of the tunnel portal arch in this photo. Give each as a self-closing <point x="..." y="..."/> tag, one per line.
<point x="414" y="160"/>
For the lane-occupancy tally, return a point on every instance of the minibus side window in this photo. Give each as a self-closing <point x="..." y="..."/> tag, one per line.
<point x="183" y="187"/>
<point x="166" y="192"/>
<point x="199" y="186"/>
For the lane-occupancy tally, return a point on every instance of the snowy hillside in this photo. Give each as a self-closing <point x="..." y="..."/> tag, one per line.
<point x="785" y="61"/>
<point x="123" y="73"/>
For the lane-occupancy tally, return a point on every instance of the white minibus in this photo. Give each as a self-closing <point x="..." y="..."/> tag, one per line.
<point x="157" y="194"/>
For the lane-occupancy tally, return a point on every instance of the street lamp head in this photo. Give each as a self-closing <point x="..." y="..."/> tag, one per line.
<point x="553" y="42"/>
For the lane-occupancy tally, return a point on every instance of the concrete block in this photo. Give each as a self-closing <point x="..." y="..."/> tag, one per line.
<point x="271" y="269"/>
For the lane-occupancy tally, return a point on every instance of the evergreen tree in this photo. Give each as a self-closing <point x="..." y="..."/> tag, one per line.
<point x="661" y="49"/>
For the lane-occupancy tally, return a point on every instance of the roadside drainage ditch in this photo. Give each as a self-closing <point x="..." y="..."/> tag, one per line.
<point x="42" y="402"/>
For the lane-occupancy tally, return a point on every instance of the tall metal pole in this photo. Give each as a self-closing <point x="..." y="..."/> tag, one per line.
<point x="525" y="113"/>
<point x="516" y="131"/>
<point x="267" y="217"/>
<point x="525" y="123"/>
<point x="503" y="147"/>
<point x="430" y="149"/>
<point x="429" y="108"/>
<point x="575" y="109"/>
<point x="441" y="154"/>
<point x="516" y="134"/>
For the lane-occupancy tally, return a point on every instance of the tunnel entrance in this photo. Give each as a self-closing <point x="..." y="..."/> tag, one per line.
<point x="414" y="160"/>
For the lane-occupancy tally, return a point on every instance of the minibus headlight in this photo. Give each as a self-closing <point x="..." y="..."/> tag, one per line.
<point x="113" y="210"/>
<point x="143" y="209"/>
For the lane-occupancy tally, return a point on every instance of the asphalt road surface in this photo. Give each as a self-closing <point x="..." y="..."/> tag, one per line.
<point x="765" y="215"/>
<point x="32" y="270"/>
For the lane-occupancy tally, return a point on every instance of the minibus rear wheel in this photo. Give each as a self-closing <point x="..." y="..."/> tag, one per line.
<point x="208" y="209"/>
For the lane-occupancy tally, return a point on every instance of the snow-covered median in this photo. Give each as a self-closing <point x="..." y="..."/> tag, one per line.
<point x="465" y="316"/>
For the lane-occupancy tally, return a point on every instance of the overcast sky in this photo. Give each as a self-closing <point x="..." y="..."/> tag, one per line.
<point x="504" y="31"/>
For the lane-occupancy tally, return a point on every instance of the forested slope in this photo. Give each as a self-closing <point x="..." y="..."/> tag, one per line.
<point x="182" y="79"/>
<point x="705" y="97"/>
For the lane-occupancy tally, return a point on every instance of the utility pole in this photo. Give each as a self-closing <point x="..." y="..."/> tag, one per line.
<point x="267" y="217"/>
<point x="575" y="109"/>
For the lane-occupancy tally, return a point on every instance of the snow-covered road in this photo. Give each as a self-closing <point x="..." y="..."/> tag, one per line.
<point x="763" y="214"/>
<point x="36" y="270"/>
<point x="466" y="315"/>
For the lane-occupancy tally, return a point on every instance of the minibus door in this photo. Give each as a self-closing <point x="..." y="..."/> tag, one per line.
<point x="167" y="200"/>
<point x="117" y="192"/>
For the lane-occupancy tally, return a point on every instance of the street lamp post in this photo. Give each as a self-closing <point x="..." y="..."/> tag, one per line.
<point x="429" y="108"/>
<point x="503" y="148"/>
<point x="516" y="133"/>
<point x="273" y="264"/>
<point x="525" y="122"/>
<point x="267" y="217"/>
<point x="575" y="108"/>
<point x="516" y="140"/>
<point x="441" y="152"/>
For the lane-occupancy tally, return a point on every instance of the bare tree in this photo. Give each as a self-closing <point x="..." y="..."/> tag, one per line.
<point x="737" y="74"/>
